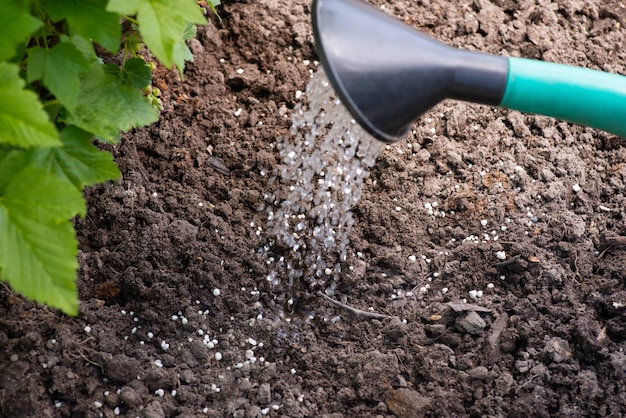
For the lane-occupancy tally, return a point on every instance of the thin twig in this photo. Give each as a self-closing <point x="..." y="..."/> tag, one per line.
<point x="355" y="311"/>
<point x="80" y="353"/>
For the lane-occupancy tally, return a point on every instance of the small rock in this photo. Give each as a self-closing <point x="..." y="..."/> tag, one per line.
<point x="187" y="376"/>
<point x="407" y="403"/>
<point x="505" y="382"/>
<point x="219" y="166"/>
<point x="618" y="361"/>
<point x="479" y="373"/>
<point x="471" y="323"/>
<point x="523" y="366"/>
<point x="112" y="400"/>
<point x="265" y="394"/>
<point x="557" y="350"/>
<point x="154" y="410"/>
<point x="130" y="397"/>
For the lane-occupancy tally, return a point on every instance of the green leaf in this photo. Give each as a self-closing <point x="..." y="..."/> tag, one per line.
<point x="136" y="73"/>
<point x="181" y="50"/>
<point x="60" y="69"/>
<point x="83" y="45"/>
<point x="77" y="160"/>
<point x="111" y="69"/>
<point x="23" y="122"/>
<point x="88" y="18"/>
<point x="16" y="23"/>
<point x="212" y="4"/>
<point x="182" y="53"/>
<point x="162" y="24"/>
<point x="106" y="107"/>
<point x="38" y="249"/>
<point x="190" y="31"/>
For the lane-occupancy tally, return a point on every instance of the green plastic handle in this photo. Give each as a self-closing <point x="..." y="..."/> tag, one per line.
<point x="586" y="97"/>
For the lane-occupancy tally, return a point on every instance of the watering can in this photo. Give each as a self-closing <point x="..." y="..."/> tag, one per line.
<point x="388" y="74"/>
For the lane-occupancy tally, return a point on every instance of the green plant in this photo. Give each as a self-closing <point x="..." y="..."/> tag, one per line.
<point x="57" y="95"/>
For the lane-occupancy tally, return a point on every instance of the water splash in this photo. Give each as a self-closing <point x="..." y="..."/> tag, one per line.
<point x="325" y="162"/>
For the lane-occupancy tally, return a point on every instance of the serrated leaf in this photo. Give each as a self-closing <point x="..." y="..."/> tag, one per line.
<point x="88" y="18"/>
<point x="59" y="68"/>
<point x="16" y="24"/>
<point x="162" y="24"/>
<point x="106" y="107"/>
<point x="77" y="160"/>
<point x="136" y="73"/>
<point x="111" y="69"/>
<point x="83" y="45"/>
<point x="38" y="249"/>
<point x="182" y="53"/>
<point x="26" y="173"/>
<point x="190" y="31"/>
<point x="23" y="122"/>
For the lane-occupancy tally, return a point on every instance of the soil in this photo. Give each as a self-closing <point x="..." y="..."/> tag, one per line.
<point x="524" y="213"/>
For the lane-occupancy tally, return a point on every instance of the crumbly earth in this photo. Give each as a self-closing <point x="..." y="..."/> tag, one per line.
<point x="523" y="212"/>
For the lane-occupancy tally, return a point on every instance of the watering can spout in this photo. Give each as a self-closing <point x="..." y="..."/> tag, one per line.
<point x="388" y="74"/>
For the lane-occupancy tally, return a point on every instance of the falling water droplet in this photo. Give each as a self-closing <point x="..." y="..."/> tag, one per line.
<point x="325" y="162"/>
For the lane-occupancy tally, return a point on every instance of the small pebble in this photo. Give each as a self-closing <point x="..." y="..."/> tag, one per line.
<point x="471" y="323"/>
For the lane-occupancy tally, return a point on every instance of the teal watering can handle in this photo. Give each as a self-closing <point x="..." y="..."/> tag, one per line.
<point x="586" y="97"/>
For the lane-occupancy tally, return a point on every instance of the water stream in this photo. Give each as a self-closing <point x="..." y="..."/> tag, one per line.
<point x="325" y="162"/>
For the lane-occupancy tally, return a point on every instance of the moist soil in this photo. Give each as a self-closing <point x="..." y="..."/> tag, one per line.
<point x="486" y="265"/>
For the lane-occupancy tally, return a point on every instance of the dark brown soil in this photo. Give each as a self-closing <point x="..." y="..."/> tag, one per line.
<point x="546" y="338"/>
